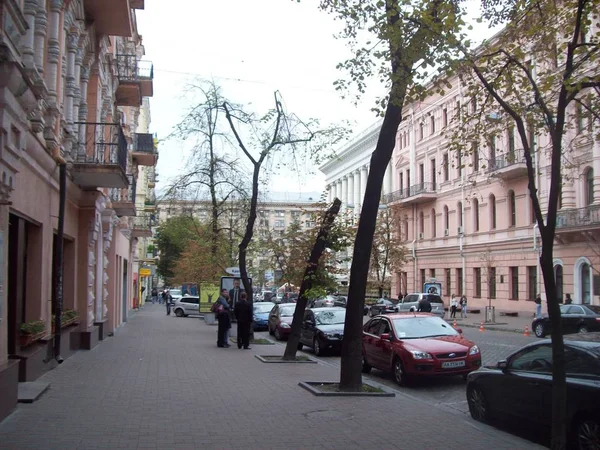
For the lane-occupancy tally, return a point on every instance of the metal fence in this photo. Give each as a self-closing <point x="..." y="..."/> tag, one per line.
<point x="506" y="160"/>
<point x="101" y="143"/>
<point x="578" y="217"/>
<point x="129" y="68"/>
<point x="124" y="195"/>
<point x="143" y="143"/>
<point x="415" y="189"/>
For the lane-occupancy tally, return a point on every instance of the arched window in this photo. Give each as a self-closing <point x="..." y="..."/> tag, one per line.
<point x="492" y="203"/>
<point x="459" y="214"/>
<point x="475" y="208"/>
<point x="586" y="275"/>
<point x="589" y="186"/>
<point x="432" y="120"/>
<point x="446" y="220"/>
<point x="512" y="209"/>
<point x="405" y="229"/>
<point x="558" y="278"/>
<point x="433" y="224"/>
<point x="421" y="223"/>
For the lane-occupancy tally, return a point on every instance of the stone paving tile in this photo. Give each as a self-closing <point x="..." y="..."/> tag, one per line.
<point x="161" y="383"/>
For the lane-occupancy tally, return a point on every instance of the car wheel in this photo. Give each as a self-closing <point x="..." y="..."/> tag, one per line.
<point x="587" y="433"/>
<point x="300" y="346"/>
<point x="366" y="368"/>
<point x="271" y="332"/>
<point x="277" y="334"/>
<point x="539" y="330"/>
<point x="478" y="404"/>
<point x="400" y="375"/>
<point x="583" y="329"/>
<point x="179" y="313"/>
<point x="317" y="347"/>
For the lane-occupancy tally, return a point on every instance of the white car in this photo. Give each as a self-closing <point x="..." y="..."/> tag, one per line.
<point x="175" y="294"/>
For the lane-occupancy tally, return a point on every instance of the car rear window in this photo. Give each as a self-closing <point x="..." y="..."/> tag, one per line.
<point x="435" y="299"/>
<point x="594" y="308"/>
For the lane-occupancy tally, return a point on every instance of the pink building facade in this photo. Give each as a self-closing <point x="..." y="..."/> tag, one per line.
<point x="72" y="80"/>
<point x="468" y="220"/>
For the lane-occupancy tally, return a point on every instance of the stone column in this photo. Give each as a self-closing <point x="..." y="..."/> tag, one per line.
<point x="53" y="50"/>
<point x="27" y="42"/>
<point x="72" y="45"/>
<point x="357" y="192"/>
<point x="596" y="159"/>
<point x="344" y="192"/>
<point x="80" y="151"/>
<point x="363" y="181"/>
<point x="568" y="194"/>
<point x="40" y="36"/>
<point x="338" y="189"/>
<point x="351" y="189"/>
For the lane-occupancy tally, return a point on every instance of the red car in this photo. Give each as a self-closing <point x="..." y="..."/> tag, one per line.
<point x="417" y="344"/>
<point x="280" y="320"/>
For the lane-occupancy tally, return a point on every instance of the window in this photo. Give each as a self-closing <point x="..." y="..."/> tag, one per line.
<point x="421" y="131"/>
<point x="446" y="218"/>
<point x="492" y="146"/>
<point x="585" y="283"/>
<point x="445" y="167"/>
<point x="533" y="359"/>
<point x="433" y="173"/>
<point x="514" y="283"/>
<point x="401" y="180"/>
<point x="280" y="224"/>
<point x="432" y="122"/>
<point x="457" y="109"/>
<point x="444" y="118"/>
<point x="511" y="143"/>
<point x="580" y="363"/>
<point x="579" y="118"/>
<point x="492" y="282"/>
<point x="531" y="137"/>
<point x="422" y="174"/>
<point x="423" y="280"/>
<point x="448" y="280"/>
<point x="406" y="229"/>
<point x="475" y="209"/>
<point x="589" y="186"/>
<point x="373" y="327"/>
<point x="492" y="202"/>
<point x="531" y="282"/>
<point x="477" y="277"/>
<point x="279" y="213"/>
<point x="459" y="214"/>
<point x="512" y="208"/>
<point x="459" y="162"/>
<point x="459" y="281"/>
<point x="558" y="279"/>
<point x="407" y="178"/>
<point x="475" y="154"/>
<point x="433" y="224"/>
<point x="421" y="223"/>
<point x="431" y="273"/>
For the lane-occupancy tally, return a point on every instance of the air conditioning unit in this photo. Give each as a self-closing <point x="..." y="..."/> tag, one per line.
<point x="461" y="230"/>
<point x="446" y="232"/>
<point x="421" y="235"/>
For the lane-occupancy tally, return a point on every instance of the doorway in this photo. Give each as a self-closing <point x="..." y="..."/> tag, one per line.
<point x="124" y="290"/>
<point x="17" y="286"/>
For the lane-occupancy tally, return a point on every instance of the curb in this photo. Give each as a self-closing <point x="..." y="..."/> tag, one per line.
<point x="493" y="328"/>
<point x="313" y="388"/>
<point x="265" y="359"/>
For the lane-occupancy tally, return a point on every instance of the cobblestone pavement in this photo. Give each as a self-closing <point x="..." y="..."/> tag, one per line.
<point x="162" y="383"/>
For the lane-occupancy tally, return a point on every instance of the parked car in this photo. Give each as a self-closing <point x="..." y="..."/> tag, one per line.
<point x="261" y="310"/>
<point x="521" y="387"/>
<point x="323" y="329"/>
<point x="186" y="305"/>
<point x="340" y="301"/>
<point x="574" y="319"/>
<point x="417" y="344"/>
<point x="325" y="302"/>
<point x="280" y="320"/>
<point x="291" y="298"/>
<point x="382" y="306"/>
<point x="175" y="294"/>
<point x="411" y="303"/>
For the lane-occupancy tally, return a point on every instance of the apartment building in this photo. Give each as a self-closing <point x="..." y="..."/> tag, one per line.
<point x="72" y="83"/>
<point x="468" y="219"/>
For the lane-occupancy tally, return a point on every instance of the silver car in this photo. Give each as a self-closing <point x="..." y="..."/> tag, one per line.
<point x="411" y="303"/>
<point x="186" y="305"/>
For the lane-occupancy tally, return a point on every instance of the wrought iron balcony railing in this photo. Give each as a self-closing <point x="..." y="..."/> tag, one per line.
<point x="129" y="68"/>
<point x="578" y="217"/>
<point x="124" y="195"/>
<point x="143" y="143"/>
<point x="506" y="160"/>
<point x="415" y="189"/>
<point x="144" y="222"/>
<point x="101" y="143"/>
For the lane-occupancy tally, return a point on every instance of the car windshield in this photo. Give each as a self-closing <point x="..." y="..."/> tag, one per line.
<point x="263" y="307"/>
<point x="563" y="309"/>
<point x="287" y="312"/>
<point x="594" y="308"/>
<point x="175" y="291"/>
<point x="330" y="317"/>
<point x="422" y="327"/>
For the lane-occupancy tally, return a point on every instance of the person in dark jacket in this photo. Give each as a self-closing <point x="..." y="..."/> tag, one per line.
<point x="222" y="312"/>
<point x="243" y="315"/>
<point x="424" y="304"/>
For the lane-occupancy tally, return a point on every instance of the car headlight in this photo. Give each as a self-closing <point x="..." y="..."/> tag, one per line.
<point x="284" y="325"/>
<point x="421" y="355"/>
<point x="474" y="350"/>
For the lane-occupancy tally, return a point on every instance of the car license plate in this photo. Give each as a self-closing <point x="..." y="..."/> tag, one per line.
<point x="452" y="364"/>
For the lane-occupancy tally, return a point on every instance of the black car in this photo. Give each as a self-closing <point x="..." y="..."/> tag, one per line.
<point x="521" y="387"/>
<point x="340" y="301"/>
<point x="382" y="306"/>
<point x="574" y="318"/>
<point x="323" y="329"/>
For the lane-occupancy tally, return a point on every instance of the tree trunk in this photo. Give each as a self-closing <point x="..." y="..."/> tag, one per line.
<point x="351" y="362"/>
<point x="311" y="267"/>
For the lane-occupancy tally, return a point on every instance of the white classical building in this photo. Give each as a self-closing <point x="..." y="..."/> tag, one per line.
<point x="346" y="173"/>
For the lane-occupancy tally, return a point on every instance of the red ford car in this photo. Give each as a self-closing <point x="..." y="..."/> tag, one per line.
<point x="417" y="344"/>
<point x="280" y="320"/>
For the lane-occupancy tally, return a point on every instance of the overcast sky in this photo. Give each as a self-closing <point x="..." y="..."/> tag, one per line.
<point x="251" y="49"/>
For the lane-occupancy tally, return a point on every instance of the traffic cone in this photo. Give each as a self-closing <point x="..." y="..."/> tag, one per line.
<point x="454" y="325"/>
<point x="481" y="327"/>
<point x="526" y="331"/>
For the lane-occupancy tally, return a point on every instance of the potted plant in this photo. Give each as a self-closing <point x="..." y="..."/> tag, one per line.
<point x="32" y="332"/>
<point x="68" y="317"/>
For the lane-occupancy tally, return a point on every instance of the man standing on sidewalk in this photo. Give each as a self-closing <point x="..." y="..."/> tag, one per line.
<point x="243" y="315"/>
<point x="538" y="306"/>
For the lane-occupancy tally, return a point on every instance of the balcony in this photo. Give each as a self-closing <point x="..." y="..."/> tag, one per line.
<point x="142" y="226"/>
<point x="150" y="205"/>
<point x="111" y="17"/>
<point x="100" y="156"/>
<point x="135" y="80"/>
<point x="508" y="166"/>
<point x="417" y="193"/>
<point x="577" y="220"/>
<point x="144" y="152"/>
<point x="151" y="178"/>
<point x="123" y="200"/>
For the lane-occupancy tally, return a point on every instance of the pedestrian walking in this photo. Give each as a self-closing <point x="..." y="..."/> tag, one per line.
<point x="168" y="301"/>
<point x="463" y="306"/>
<point x="568" y="300"/>
<point x="154" y="294"/>
<point x="453" y="306"/>
<point x="221" y="308"/>
<point x="243" y="315"/>
<point x="538" y="306"/>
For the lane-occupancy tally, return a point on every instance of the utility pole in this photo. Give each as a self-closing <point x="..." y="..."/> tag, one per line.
<point x="59" y="260"/>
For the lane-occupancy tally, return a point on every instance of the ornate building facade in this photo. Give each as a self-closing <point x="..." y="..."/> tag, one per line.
<point x="72" y="82"/>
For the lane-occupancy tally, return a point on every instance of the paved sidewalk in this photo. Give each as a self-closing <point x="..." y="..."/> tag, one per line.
<point x="502" y="323"/>
<point x="162" y="383"/>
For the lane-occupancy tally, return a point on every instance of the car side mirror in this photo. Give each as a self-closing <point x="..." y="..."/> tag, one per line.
<point x="459" y="330"/>
<point x="502" y="365"/>
<point x="386" y="337"/>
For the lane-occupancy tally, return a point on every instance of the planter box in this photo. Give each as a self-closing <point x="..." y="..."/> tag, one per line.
<point x="25" y="340"/>
<point x="66" y="323"/>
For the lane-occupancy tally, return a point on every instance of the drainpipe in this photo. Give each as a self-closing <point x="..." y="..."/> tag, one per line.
<point x="462" y="212"/>
<point x="414" y="249"/>
<point x="537" y="257"/>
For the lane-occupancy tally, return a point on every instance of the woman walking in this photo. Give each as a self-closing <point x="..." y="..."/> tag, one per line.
<point x="453" y="306"/>
<point x="463" y="306"/>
